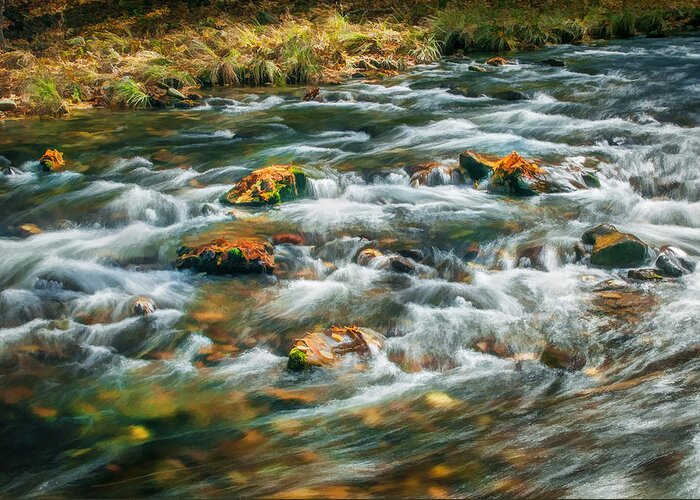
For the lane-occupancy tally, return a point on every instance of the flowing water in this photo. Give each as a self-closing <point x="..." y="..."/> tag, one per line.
<point x="195" y="399"/>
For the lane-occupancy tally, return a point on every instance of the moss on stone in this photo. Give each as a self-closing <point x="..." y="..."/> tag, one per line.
<point x="297" y="360"/>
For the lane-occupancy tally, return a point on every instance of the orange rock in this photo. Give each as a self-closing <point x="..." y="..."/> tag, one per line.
<point x="497" y="61"/>
<point x="52" y="161"/>
<point x="268" y="186"/>
<point x="243" y="256"/>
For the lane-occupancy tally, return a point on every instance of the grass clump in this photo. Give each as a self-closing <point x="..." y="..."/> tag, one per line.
<point x="129" y="94"/>
<point x="44" y="97"/>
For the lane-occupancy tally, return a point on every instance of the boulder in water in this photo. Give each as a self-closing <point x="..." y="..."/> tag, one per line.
<point x="498" y="61"/>
<point x="327" y="347"/>
<point x="612" y="248"/>
<point x="143" y="306"/>
<point x="511" y="174"/>
<point x="241" y="256"/>
<point x="312" y="94"/>
<point x="477" y="69"/>
<point x="402" y="264"/>
<point x="268" y="186"/>
<point x="674" y="262"/>
<point x="52" y="161"/>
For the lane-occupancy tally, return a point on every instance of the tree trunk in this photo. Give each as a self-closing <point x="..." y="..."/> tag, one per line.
<point x="2" y="22"/>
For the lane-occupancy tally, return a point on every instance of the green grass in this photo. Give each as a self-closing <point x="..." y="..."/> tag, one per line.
<point x="129" y="94"/>
<point x="164" y="72"/>
<point x="44" y="97"/>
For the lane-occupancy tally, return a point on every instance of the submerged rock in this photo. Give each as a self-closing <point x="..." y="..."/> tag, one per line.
<point x="510" y="95"/>
<point x="367" y="255"/>
<point x="434" y="174"/>
<point x="268" y="186"/>
<point x="143" y="306"/>
<point x="562" y="359"/>
<point x="289" y="239"/>
<point x="242" y="256"/>
<point x="674" y="262"/>
<point x="612" y="248"/>
<point x="477" y="69"/>
<point x="52" y="161"/>
<point x="553" y="62"/>
<point x="498" y="61"/>
<point x="327" y="347"/>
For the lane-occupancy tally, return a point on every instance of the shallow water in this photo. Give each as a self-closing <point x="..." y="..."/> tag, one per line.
<point x="196" y="399"/>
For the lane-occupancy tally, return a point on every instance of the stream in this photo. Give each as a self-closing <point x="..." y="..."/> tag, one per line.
<point x="196" y="399"/>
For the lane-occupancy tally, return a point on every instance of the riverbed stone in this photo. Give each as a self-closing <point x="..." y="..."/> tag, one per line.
<point x="646" y="274"/>
<point x="674" y="262"/>
<point x="288" y="239"/>
<point x="326" y="348"/>
<point x="268" y="186"/>
<point x="175" y="94"/>
<point x="221" y="256"/>
<point x="7" y="105"/>
<point x="509" y="95"/>
<point x="143" y="306"/>
<point x="612" y="248"/>
<point x="52" y="161"/>
<point x="562" y="359"/>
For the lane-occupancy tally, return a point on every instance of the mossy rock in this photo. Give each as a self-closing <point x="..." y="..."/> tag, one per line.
<point x="618" y="250"/>
<point x="268" y="186"/>
<point x="244" y="256"/>
<point x="477" y="166"/>
<point x="326" y="348"/>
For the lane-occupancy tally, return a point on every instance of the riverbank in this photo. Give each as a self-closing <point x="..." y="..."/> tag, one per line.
<point x="123" y="65"/>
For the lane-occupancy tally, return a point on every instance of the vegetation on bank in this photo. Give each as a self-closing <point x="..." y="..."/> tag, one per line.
<point x="125" y="63"/>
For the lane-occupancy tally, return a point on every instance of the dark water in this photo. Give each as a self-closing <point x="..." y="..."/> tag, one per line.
<point x="195" y="399"/>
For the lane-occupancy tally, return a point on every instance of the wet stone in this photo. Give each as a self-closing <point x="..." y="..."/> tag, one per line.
<point x="326" y="348"/>
<point x="268" y="186"/>
<point x="242" y="256"/>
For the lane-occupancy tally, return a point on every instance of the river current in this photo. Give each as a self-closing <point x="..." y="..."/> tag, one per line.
<point x="195" y="399"/>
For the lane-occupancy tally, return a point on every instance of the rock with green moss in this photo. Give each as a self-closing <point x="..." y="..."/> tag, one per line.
<point x="220" y="256"/>
<point x="326" y="348"/>
<point x="268" y="186"/>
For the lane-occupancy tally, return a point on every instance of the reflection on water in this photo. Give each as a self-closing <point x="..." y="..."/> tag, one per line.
<point x="195" y="399"/>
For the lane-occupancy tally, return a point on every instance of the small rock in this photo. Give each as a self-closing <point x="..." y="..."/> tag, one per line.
<point x="553" y="62"/>
<point x="472" y="252"/>
<point x="477" y="69"/>
<point x="208" y="209"/>
<point x="561" y="359"/>
<point x="242" y="256"/>
<point x="510" y="95"/>
<point x="176" y="94"/>
<point x="647" y="274"/>
<point x="7" y="105"/>
<point x="367" y="255"/>
<point x="143" y="306"/>
<point x="194" y="96"/>
<point x="674" y="262"/>
<point x="434" y="174"/>
<point x="312" y="94"/>
<point x="327" y="347"/>
<point x="289" y="239"/>
<point x="187" y="104"/>
<point x="497" y="61"/>
<point x="52" y="161"/>
<point x="402" y="265"/>
<point x="412" y="253"/>
<point x="26" y="230"/>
